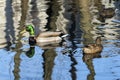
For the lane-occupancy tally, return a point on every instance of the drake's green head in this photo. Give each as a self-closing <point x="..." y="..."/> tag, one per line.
<point x="30" y="29"/>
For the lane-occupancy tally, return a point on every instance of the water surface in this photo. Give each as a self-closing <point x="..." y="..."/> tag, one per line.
<point x="20" y="61"/>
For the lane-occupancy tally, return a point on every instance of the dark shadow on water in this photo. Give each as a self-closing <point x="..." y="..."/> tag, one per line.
<point x="75" y="32"/>
<point x="73" y="69"/>
<point x="75" y="35"/>
<point x="70" y="49"/>
<point x="49" y="13"/>
<point x="88" y="59"/>
<point x="10" y="33"/>
<point x="52" y="13"/>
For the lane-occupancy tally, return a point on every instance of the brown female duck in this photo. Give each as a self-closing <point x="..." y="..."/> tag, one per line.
<point x="93" y="48"/>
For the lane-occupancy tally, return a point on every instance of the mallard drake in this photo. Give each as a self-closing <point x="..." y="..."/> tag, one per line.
<point x="93" y="48"/>
<point x="44" y="38"/>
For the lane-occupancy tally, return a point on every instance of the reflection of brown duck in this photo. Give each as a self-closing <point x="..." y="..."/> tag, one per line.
<point x="87" y="57"/>
<point x="93" y="48"/>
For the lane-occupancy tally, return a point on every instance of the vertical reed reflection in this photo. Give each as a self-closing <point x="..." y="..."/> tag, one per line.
<point x="24" y="6"/>
<point x="52" y="11"/>
<point x="98" y="4"/>
<point x="75" y="30"/>
<point x="49" y="56"/>
<point x="85" y="20"/>
<point x="49" y="13"/>
<point x="10" y="33"/>
<point x="68" y="18"/>
<point x="17" y="59"/>
<point x="64" y="22"/>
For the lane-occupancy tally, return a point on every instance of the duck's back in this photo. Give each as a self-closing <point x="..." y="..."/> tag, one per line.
<point x="91" y="49"/>
<point x="49" y="39"/>
<point x="49" y="34"/>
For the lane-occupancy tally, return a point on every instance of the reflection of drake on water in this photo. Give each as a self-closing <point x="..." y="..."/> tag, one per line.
<point x="31" y="63"/>
<point x="30" y="53"/>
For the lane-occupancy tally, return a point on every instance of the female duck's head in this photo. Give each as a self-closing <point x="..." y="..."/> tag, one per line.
<point x="30" y="29"/>
<point x="98" y="40"/>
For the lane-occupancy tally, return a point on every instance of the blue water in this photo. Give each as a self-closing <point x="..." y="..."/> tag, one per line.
<point x="60" y="66"/>
<point x="20" y="61"/>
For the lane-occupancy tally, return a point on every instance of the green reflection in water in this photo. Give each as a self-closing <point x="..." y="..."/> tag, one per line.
<point x="30" y="53"/>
